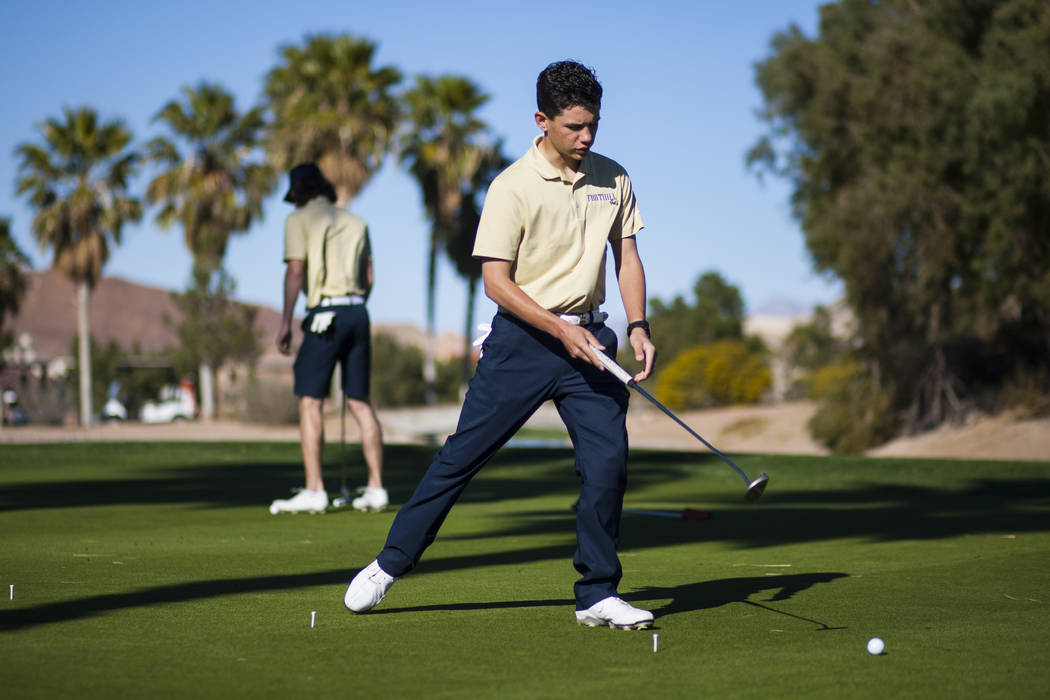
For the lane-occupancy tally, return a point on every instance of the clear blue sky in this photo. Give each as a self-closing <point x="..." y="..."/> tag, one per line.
<point x="678" y="113"/>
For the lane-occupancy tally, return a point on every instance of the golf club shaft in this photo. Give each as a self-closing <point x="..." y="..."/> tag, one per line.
<point x="634" y="385"/>
<point x="342" y="433"/>
<point x="627" y="379"/>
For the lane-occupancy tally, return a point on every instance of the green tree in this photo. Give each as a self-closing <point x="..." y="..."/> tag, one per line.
<point x="213" y="188"/>
<point x="329" y="105"/>
<point x="214" y="329"/>
<point x="13" y="264"/>
<point x="852" y="415"/>
<point x="396" y="380"/>
<point x="1008" y="205"/>
<point x="77" y="181"/>
<point x="716" y="374"/>
<point x="717" y="313"/>
<point x="917" y="139"/>
<point x="443" y="149"/>
<point x="813" y="345"/>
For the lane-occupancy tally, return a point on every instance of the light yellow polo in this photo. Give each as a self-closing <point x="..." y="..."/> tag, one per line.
<point x="334" y="243"/>
<point x="555" y="232"/>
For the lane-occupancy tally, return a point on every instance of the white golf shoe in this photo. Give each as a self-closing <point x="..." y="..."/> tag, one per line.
<point x="371" y="499"/>
<point x="368" y="588"/>
<point x="302" y="502"/>
<point x="614" y="612"/>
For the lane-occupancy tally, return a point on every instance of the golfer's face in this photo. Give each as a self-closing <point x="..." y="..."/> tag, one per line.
<point x="571" y="133"/>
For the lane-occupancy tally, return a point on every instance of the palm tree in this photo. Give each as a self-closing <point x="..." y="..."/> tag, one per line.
<point x="77" y="182"/>
<point x="213" y="189"/>
<point x="459" y="245"/>
<point x="329" y="106"/>
<point x="13" y="264"/>
<point x="443" y="151"/>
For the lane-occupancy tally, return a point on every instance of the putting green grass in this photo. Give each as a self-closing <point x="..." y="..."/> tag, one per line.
<point x="155" y="570"/>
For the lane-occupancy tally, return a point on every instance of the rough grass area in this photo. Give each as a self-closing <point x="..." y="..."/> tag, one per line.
<point x="155" y="570"/>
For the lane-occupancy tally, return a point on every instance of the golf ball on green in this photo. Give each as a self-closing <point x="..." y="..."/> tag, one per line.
<point x="875" y="646"/>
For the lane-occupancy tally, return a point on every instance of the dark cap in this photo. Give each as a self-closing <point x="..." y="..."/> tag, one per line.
<point x="300" y="172"/>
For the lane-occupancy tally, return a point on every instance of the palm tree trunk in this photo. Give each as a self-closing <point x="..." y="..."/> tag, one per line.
<point x="207" y="391"/>
<point x="468" y="345"/>
<point x="429" y="363"/>
<point x="84" y="351"/>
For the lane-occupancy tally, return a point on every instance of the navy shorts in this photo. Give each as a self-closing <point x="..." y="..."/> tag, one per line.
<point x="347" y="341"/>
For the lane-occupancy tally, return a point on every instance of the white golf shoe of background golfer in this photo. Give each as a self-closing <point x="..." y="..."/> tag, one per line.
<point x="302" y="502"/>
<point x="614" y="612"/>
<point x="371" y="499"/>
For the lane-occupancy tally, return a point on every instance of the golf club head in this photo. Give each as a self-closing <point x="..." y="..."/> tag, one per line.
<point x="756" y="488"/>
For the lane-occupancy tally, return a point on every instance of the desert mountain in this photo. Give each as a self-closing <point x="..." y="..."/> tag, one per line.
<point x="130" y="313"/>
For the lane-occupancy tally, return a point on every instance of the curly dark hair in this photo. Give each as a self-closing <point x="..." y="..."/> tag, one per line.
<point x="307" y="182"/>
<point x="567" y="84"/>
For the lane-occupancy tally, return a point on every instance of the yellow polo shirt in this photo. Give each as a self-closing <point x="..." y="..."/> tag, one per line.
<point x="334" y="243"/>
<point x="555" y="232"/>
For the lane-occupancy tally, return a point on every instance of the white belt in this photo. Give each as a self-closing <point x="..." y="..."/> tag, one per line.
<point x="585" y="319"/>
<point x="346" y="300"/>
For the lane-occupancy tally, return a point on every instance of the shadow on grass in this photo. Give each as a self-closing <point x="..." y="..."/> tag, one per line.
<point x="218" y="474"/>
<point x="690" y="597"/>
<point x="215" y="475"/>
<point x="75" y="609"/>
<point x="704" y="595"/>
<point x="225" y="475"/>
<point x="79" y="608"/>
<point x="685" y="598"/>
<point x="244" y="474"/>
<point x="873" y="512"/>
<point x="199" y="474"/>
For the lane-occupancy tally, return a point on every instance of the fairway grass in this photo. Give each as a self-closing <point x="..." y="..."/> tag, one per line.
<point x="155" y="570"/>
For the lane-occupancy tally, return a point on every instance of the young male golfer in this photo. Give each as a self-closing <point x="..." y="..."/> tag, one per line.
<point x="544" y="230"/>
<point x="327" y="254"/>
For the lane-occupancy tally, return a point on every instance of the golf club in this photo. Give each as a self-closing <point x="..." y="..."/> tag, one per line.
<point x="754" y="488"/>
<point x="342" y="439"/>
<point x="344" y="498"/>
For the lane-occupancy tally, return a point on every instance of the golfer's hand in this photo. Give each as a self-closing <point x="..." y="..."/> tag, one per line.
<point x="284" y="339"/>
<point x="578" y="341"/>
<point x="644" y="351"/>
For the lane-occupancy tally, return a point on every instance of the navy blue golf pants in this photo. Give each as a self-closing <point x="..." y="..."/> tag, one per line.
<point x="521" y="367"/>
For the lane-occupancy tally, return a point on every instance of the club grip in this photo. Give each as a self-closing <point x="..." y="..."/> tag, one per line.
<point x="610" y="364"/>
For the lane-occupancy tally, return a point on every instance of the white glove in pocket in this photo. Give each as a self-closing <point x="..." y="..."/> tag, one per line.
<point x="321" y="321"/>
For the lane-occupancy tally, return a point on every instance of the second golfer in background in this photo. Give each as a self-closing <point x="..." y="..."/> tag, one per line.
<point x="328" y="255"/>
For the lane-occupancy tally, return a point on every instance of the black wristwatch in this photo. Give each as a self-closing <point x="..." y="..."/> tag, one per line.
<point x="644" y="325"/>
